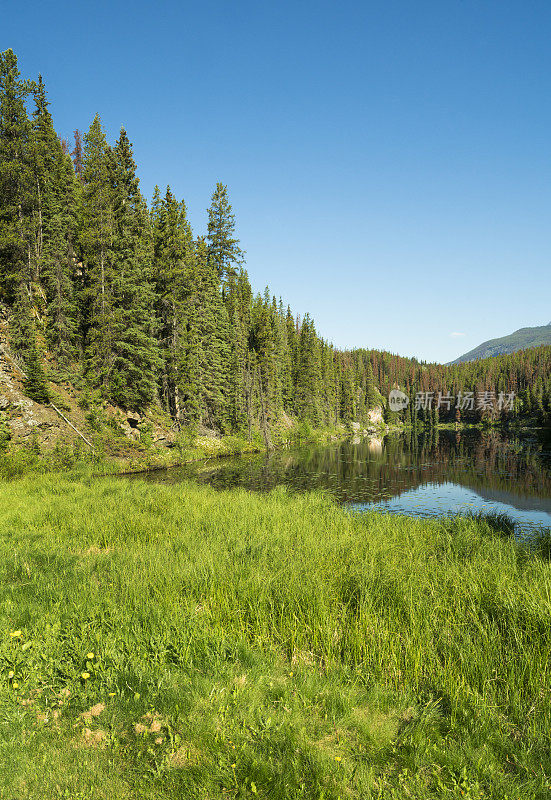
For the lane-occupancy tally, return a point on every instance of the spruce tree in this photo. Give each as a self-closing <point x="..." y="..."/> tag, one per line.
<point x="173" y="263"/>
<point x="21" y="324"/>
<point x="16" y="182"/>
<point x="309" y="373"/>
<point x="239" y="326"/>
<point x="263" y="342"/>
<point x="135" y="357"/>
<point x="347" y="393"/>
<point x="370" y="393"/>
<point x="35" y="381"/>
<point x="207" y="317"/>
<point x="59" y="266"/>
<point x="96" y="241"/>
<point x="223" y="248"/>
<point x="57" y="197"/>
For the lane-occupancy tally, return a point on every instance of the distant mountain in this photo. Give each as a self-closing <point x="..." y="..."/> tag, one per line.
<point x="519" y="340"/>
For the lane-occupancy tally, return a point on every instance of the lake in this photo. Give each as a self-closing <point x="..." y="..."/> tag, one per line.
<point x="427" y="475"/>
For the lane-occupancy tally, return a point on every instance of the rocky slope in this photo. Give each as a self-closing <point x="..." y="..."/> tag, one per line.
<point x="98" y="424"/>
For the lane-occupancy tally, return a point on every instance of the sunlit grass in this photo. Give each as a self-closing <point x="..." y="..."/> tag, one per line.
<point x="173" y="642"/>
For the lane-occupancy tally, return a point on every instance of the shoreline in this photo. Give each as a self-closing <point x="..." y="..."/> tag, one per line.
<point x="24" y="460"/>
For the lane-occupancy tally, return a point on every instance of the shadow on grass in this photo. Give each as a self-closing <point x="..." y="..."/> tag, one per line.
<point x="499" y="523"/>
<point x="537" y="543"/>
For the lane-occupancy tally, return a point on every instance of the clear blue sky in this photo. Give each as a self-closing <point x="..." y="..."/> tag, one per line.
<point x="389" y="162"/>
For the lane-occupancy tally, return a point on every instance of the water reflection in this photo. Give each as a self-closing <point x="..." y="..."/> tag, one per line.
<point x="424" y="475"/>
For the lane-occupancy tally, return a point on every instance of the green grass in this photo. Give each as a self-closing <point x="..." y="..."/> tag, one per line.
<point x="238" y="645"/>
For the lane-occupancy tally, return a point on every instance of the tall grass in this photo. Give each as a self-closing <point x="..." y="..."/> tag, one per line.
<point x="497" y="521"/>
<point x="264" y="646"/>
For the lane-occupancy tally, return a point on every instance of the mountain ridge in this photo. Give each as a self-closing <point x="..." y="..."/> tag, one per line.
<point x="521" y="339"/>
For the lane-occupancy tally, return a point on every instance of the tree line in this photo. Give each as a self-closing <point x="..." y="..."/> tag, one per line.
<point x="469" y="391"/>
<point x="126" y="296"/>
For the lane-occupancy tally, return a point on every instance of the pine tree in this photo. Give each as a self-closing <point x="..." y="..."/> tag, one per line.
<point x="173" y="262"/>
<point x="223" y="248"/>
<point x="329" y="385"/>
<point x="135" y="357"/>
<point x="56" y="214"/>
<point x="21" y="324"/>
<point x="43" y="144"/>
<point x="238" y="307"/>
<point x="35" y="381"/>
<point x="307" y="400"/>
<point x="207" y="318"/>
<point x="16" y="182"/>
<point x="96" y="241"/>
<point x="263" y="342"/>
<point x="347" y="393"/>
<point x="59" y="261"/>
<point x="370" y="393"/>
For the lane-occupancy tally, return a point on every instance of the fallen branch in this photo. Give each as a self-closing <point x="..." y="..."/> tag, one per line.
<point x="72" y="426"/>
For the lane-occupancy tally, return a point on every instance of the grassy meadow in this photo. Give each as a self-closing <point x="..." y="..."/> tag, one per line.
<point x="178" y="642"/>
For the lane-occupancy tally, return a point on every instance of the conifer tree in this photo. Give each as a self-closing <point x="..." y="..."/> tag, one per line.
<point x="347" y="393"/>
<point x="308" y="373"/>
<point x="21" y="325"/>
<point x="207" y="318"/>
<point x="329" y="385"/>
<point x="43" y="144"/>
<point x="173" y="260"/>
<point x="55" y="221"/>
<point x="263" y="342"/>
<point x="135" y="357"/>
<point x="370" y="394"/>
<point x="96" y="240"/>
<point x="35" y="381"/>
<point x="238" y="307"/>
<point x="59" y="261"/>
<point x="16" y="182"/>
<point x="223" y="248"/>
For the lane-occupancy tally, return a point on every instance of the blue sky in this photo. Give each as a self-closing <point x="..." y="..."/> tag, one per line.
<point x="389" y="163"/>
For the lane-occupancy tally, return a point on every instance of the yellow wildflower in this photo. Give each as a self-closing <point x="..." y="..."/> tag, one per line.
<point x="11" y="673"/>
<point x="15" y="634"/>
<point x="338" y="758"/>
<point x="15" y="685"/>
<point x="89" y="656"/>
<point x="85" y="675"/>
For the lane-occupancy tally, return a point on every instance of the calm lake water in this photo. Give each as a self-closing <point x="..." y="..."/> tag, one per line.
<point x="442" y="473"/>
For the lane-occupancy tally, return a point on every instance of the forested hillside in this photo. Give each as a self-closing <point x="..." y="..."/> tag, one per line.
<point x="519" y="340"/>
<point x="468" y="391"/>
<point x="130" y="300"/>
